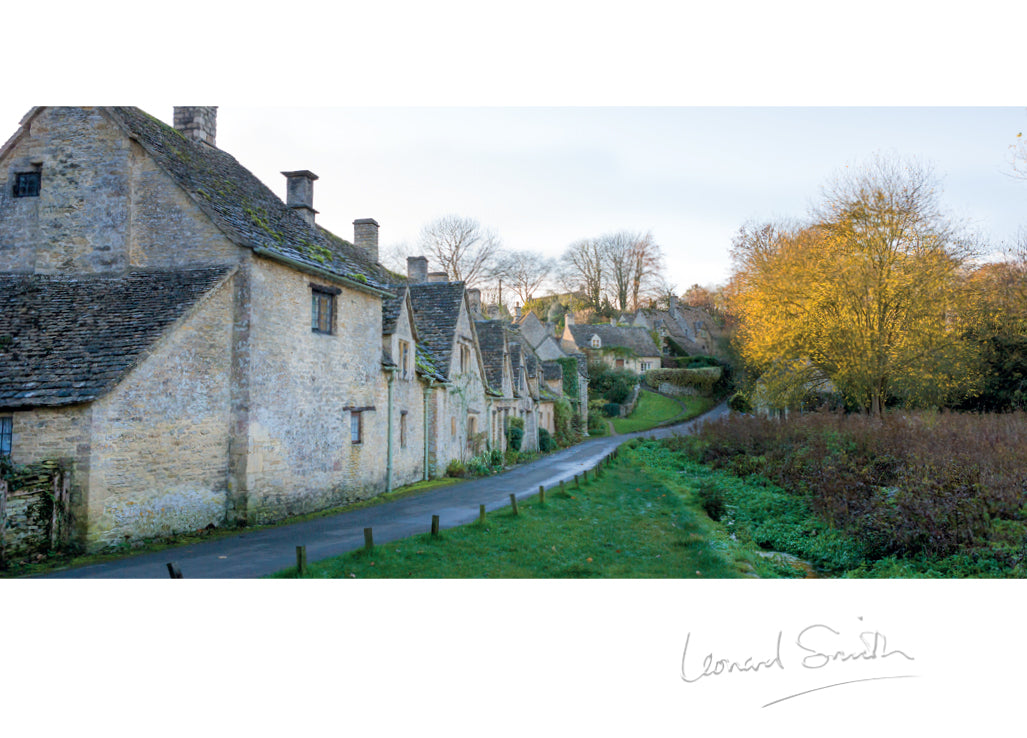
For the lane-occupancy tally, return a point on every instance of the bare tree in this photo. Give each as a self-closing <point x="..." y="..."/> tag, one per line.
<point x="583" y="267"/>
<point x="524" y="272"/>
<point x="647" y="267"/>
<point x="461" y="247"/>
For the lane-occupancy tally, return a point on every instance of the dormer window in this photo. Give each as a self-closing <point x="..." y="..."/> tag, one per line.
<point x="26" y="184"/>
<point x="596" y="343"/>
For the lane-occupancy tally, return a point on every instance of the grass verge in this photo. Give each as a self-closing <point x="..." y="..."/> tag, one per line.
<point x="655" y="409"/>
<point x="627" y="524"/>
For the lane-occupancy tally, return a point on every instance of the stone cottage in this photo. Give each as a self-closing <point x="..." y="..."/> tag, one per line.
<point x="621" y="347"/>
<point x="195" y="349"/>
<point x="459" y="417"/>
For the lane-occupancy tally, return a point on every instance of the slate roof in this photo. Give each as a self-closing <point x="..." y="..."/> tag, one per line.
<point x="490" y="339"/>
<point x="242" y="206"/>
<point x="637" y="339"/>
<point x="551" y="370"/>
<point x="436" y="312"/>
<point x="69" y="339"/>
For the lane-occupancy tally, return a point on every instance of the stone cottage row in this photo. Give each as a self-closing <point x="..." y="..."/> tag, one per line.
<point x="200" y="352"/>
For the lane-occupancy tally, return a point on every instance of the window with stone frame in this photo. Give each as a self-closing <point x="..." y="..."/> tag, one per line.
<point x="404" y="359"/>
<point x="322" y="309"/>
<point x="403" y="429"/>
<point x="596" y="342"/>
<point x="6" y="435"/>
<point x="356" y="426"/>
<point x="26" y="184"/>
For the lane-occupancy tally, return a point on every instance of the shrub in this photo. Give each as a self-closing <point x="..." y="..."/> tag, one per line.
<point x="514" y="433"/>
<point x="702" y="379"/>
<point x="456" y="468"/>
<point x="611" y="410"/>
<point x="545" y="441"/>
<point x="739" y="403"/>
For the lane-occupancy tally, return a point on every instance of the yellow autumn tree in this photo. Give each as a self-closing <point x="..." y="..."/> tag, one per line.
<point x="866" y="296"/>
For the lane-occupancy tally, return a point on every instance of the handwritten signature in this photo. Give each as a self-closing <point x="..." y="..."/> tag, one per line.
<point x="821" y="644"/>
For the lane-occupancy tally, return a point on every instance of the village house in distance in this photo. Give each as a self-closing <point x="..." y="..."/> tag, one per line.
<point x="195" y="351"/>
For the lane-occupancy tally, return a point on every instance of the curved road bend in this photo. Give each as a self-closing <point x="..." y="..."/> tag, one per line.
<point x="260" y="552"/>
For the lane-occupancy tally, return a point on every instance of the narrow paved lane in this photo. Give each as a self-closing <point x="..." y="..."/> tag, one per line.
<point x="256" y="553"/>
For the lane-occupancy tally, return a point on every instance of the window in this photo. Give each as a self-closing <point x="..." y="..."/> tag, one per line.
<point x="6" y="434"/>
<point x="465" y="359"/>
<point x="356" y="426"/>
<point x="403" y="429"/>
<point x="26" y="184"/>
<point x="596" y="343"/>
<point x="322" y="310"/>
<point x="646" y="366"/>
<point x="404" y="359"/>
<point x="452" y="427"/>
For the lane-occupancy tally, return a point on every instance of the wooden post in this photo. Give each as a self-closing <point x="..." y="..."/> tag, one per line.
<point x="561" y="485"/>
<point x="174" y="571"/>
<point x="435" y="526"/>
<point x="584" y="476"/>
<point x="576" y="482"/>
<point x="513" y="503"/>
<point x="301" y="560"/>
<point x="368" y="539"/>
<point x="481" y="513"/>
<point x="541" y="495"/>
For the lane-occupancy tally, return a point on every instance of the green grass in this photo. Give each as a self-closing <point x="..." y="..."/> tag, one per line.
<point x="627" y="524"/>
<point x="654" y="409"/>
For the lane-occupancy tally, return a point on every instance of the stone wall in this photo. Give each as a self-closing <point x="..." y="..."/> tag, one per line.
<point x="407" y="409"/>
<point x="33" y="509"/>
<point x="103" y="204"/>
<point x="292" y="449"/>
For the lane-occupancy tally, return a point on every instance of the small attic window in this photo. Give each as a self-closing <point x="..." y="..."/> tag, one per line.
<point x="596" y="343"/>
<point x="26" y="184"/>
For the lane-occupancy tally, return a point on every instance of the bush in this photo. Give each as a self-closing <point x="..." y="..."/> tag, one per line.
<point x="703" y="379"/>
<point x="545" y="441"/>
<point x="739" y="403"/>
<point x="910" y="484"/>
<point x="456" y="468"/>
<point x="611" y="410"/>
<point x="514" y="433"/>
<point x="613" y="385"/>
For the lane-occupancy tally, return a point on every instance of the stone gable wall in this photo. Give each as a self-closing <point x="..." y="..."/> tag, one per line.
<point x="408" y="399"/>
<point x="452" y="406"/>
<point x="159" y="440"/>
<point x="103" y="205"/>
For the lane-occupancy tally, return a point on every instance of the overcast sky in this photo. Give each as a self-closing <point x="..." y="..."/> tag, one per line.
<point x="543" y="177"/>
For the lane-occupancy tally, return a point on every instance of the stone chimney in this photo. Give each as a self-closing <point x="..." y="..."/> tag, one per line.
<point x="197" y="123"/>
<point x="569" y="318"/>
<point x="673" y="307"/>
<point x="474" y="300"/>
<point x="438" y="277"/>
<point x="365" y="237"/>
<point x="417" y="268"/>
<point x="517" y="312"/>
<point x="300" y="193"/>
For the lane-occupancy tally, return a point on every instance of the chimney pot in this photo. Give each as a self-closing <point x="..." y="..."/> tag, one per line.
<point x="300" y="193"/>
<point x="365" y="237"/>
<point x="197" y="123"/>
<point x="417" y="268"/>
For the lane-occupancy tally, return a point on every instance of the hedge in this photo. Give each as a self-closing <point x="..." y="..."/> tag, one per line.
<point x="702" y="379"/>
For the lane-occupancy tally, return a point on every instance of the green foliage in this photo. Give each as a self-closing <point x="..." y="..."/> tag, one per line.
<point x="514" y="433"/>
<point x="545" y="441"/>
<point x="739" y="403"/>
<point x="613" y="385"/>
<point x="570" y="377"/>
<point x="563" y="417"/>
<point x="703" y="380"/>
<point x="712" y="501"/>
<point x="612" y="409"/>
<point x="456" y="468"/>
